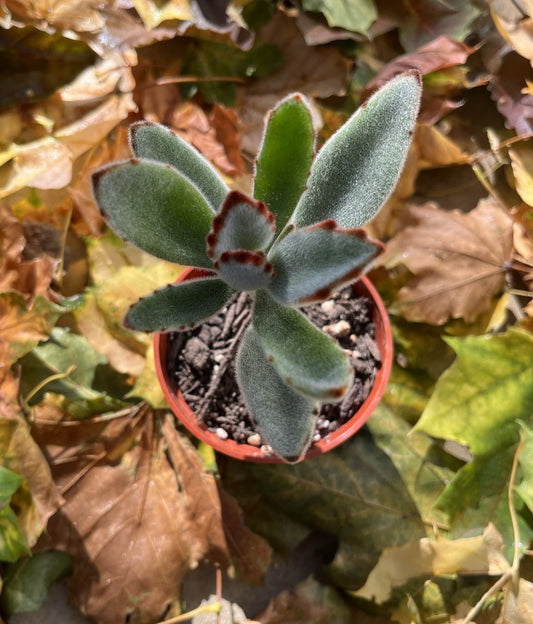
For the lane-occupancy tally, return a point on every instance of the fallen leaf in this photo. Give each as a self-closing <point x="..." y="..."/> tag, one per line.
<point x="28" y="581"/>
<point x="426" y="19"/>
<point x="92" y="323"/>
<point x="311" y="601"/>
<point x="507" y="89"/>
<point x="439" y="53"/>
<point x="22" y="327"/>
<point x="518" y="606"/>
<point x="251" y="554"/>
<point x="216" y="136"/>
<point x="354" y="493"/>
<point x="522" y="164"/>
<point x="429" y="557"/>
<point x="435" y="149"/>
<point x="515" y="25"/>
<point x="74" y="14"/>
<point x="153" y="13"/>
<point x="458" y="260"/>
<point x="477" y="402"/>
<point x="135" y="522"/>
<point x="356" y="18"/>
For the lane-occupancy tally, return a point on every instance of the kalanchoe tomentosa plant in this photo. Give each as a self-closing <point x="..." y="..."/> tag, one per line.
<point x="295" y="241"/>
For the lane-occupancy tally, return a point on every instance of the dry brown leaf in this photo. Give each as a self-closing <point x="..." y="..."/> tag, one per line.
<point x="29" y="277"/>
<point x="441" y="53"/>
<point x="77" y="15"/>
<point x="522" y="164"/>
<point x="435" y="149"/>
<point x="427" y="557"/>
<point x="457" y="259"/>
<point x="139" y="513"/>
<point x="251" y="554"/>
<point x="216" y="137"/>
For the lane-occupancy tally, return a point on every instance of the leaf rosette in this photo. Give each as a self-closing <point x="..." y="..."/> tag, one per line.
<point x="293" y="243"/>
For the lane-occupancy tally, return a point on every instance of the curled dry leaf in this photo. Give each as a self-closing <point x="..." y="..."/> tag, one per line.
<point x="216" y="137"/>
<point x="76" y="15"/>
<point x="458" y="260"/>
<point x="428" y="557"/>
<point x="140" y="512"/>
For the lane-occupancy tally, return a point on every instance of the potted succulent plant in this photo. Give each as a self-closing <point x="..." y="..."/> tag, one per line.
<point x="293" y="243"/>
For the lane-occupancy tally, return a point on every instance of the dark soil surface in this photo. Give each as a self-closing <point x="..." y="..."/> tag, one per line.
<point x="201" y="363"/>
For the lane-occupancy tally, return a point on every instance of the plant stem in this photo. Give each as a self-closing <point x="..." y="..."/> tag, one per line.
<point x="512" y="572"/>
<point x="208" y="608"/>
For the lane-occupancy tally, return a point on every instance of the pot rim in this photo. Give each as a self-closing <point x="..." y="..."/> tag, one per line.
<point x="247" y="452"/>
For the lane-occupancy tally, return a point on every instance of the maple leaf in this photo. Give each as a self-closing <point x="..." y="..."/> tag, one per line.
<point x="140" y="512"/>
<point x="458" y="260"/>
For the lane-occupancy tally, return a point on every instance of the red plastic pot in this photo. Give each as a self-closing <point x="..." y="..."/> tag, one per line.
<point x="246" y="452"/>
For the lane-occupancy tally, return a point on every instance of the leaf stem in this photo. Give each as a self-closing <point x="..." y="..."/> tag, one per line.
<point x="512" y="572"/>
<point x="207" y="608"/>
<point x="45" y="382"/>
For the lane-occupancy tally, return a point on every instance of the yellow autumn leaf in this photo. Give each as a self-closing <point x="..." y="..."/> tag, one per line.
<point x="153" y="13"/>
<point x="522" y="164"/>
<point x="427" y="557"/>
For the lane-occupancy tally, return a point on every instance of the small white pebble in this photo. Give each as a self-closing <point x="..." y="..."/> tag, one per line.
<point x="221" y="433"/>
<point x="327" y="306"/>
<point x="218" y="357"/>
<point x="266" y="449"/>
<point x="317" y="437"/>
<point x="254" y="439"/>
<point x="339" y="329"/>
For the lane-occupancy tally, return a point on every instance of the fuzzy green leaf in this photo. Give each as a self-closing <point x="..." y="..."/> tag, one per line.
<point x="285" y="158"/>
<point x="359" y="166"/>
<point x="241" y="224"/>
<point x="177" y="307"/>
<point x="310" y="263"/>
<point x="244" y="270"/>
<point x="285" y="418"/>
<point x="303" y="356"/>
<point x="156" y="142"/>
<point x="155" y="208"/>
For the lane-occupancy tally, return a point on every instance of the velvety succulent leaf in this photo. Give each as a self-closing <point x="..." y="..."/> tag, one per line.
<point x="311" y="262"/>
<point x="244" y="270"/>
<point x="156" y="142"/>
<point x="285" y="158"/>
<point x="359" y="166"/>
<point x="285" y="418"/>
<point x="155" y="208"/>
<point x="177" y="307"/>
<point x="241" y="224"/>
<point x="303" y="356"/>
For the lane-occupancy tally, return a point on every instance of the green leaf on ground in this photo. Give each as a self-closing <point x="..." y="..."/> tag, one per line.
<point x="28" y="581"/>
<point x="488" y="388"/>
<point x="477" y="402"/>
<point x="67" y="365"/>
<point x="353" y="492"/>
<point x="12" y="542"/>
<point x="344" y="13"/>
<point x="424" y="468"/>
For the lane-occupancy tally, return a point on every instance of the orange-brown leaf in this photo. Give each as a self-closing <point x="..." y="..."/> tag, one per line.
<point x="457" y="259"/>
<point x="140" y="512"/>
